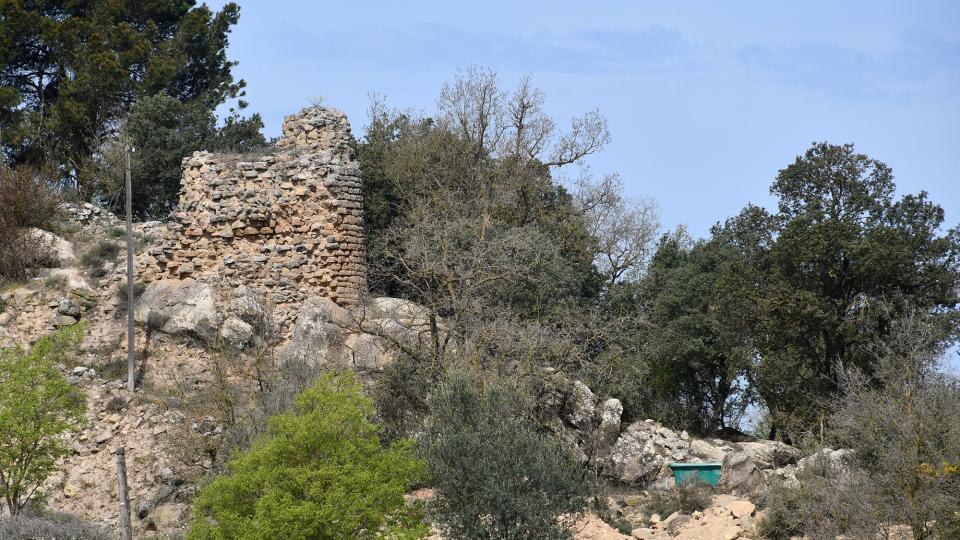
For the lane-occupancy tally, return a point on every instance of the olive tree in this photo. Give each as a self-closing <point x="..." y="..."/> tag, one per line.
<point x="496" y="475"/>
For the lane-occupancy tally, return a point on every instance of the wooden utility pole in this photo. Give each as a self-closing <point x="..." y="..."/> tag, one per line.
<point x="131" y="345"/>
<point x="126" y="529"/>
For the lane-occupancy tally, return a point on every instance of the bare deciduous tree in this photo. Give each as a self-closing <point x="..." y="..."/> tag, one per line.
<point x="624" y="228"/>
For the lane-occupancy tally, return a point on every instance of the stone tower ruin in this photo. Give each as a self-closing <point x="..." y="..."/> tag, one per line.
<point x="289" y="222"/>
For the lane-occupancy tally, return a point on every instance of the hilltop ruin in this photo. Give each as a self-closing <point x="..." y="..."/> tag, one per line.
<point x="289" y="221"/>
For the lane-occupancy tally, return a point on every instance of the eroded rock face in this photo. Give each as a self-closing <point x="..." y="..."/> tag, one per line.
<point x="741" y="473"/>
<point x="289" y="222"/>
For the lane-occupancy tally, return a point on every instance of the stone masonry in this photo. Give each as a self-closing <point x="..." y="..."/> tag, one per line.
<point x="288" y="222"/>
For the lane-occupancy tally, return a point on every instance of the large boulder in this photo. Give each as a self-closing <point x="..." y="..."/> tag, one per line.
<point x="401" y="324"/>
<point x="770" y="454"/>
<point x="248" y="306"/>
<point x="741" y="473"/>
<point x="235" y="333"/>
<point x="180" y="308"/>
<point x="58" y="250"/>
<point x="708" y="452"/>
<point x="643" y="451"/>
<point x="827" y="457"/>
<point x="366" y="352"/>
<point x="319" y="330"/>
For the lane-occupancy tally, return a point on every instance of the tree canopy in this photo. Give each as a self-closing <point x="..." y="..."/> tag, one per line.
<point x="70" y="72"/>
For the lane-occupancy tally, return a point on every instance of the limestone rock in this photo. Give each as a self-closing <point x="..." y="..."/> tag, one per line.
<point x="167" y="517"/>
<point x="365" y="352"/>
<point x="582" y="404"/>
<point x="635" y="457"/>
<point x="60" y="251"/>
<point x="66" y="306"/>
<point x="59" y="321"/>
<point x="235" y="333"/>
<point x="741" y="472"/>
<point x="707" y="451"/>
<point x="179" y="307"/>
<point x="609" y="429"/>
<point x="398" y="309"/>
<point x="316" y="332"/>
<point x="741" y="508"/>
<point x="247" y="306"/>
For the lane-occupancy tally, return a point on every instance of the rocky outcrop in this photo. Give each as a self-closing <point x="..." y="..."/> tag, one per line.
<point x="289" y="222"/>
<point x="640" y="453"/>
<point x="365" y="338"/>
<point x="90" y="214"/>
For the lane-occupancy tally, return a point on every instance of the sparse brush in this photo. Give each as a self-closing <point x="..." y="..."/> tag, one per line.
<point x="55" y="282"/>
<point x="686" y="498"/>
<point x="100" y="253"/>
<point x="26" y="201"/>
<point x="138" y="288"/>
<point x="55" y="526"/>
<point x="143" y="241"/>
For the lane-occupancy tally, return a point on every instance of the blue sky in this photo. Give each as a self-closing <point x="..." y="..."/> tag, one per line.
<point x="706" y="101"/>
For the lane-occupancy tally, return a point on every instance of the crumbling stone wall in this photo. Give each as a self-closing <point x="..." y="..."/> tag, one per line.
<point x="289" y="222"/>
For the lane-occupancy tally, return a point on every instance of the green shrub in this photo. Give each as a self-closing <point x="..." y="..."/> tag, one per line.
<point x="37" y="405"/>
<point x="143" y="241"/>
<point x="622" y="526"/>
<point x="686" y="498"/>
<point x="495" y="474"/>
<point x="116" y="232"/>
<point x="100" y="253"/>
<point x="318" y="472"/>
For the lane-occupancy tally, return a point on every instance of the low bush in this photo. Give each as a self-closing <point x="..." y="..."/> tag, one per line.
<point x="122" y="290"/>
<point x="496" y="475"/>
<point x="686" y="498"/>
<point x="55" y="283"/>
<point x="320" y="471"/>
<point x="98" y="254"/>
<point x="783" y="513"/>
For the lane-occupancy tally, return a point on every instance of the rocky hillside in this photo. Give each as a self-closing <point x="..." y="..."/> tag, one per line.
<point x="180" y="319"/>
